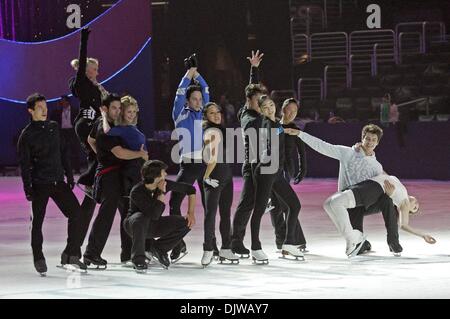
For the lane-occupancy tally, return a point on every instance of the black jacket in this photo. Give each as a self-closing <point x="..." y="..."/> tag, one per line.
<point x="40" y="150"/>
<point x="81" y="87"/>
<point x="145" y="201"/>
<point x="250" y="119"/>
<point x="295" y="157"/>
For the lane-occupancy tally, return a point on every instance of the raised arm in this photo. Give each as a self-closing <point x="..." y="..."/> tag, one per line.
<point x="254" y="60"/>
<point x="82" y="55"/>
<point x="204" y="86"/>
<point x="180" y="97"/>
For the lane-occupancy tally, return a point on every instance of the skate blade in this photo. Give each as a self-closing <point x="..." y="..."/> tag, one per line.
<point x="225" y="261"/>
<point x="140" y="271"/>
<point x="260" y="262"/>
<point x="96" y="267"/>
<point x="72" y="268"/>
<point x="291" y="257"/>
<point x="180" y="257"/>
<point x="128" y="264"/>
<point x="243" y="256"/>
<point x="42" y="274"/>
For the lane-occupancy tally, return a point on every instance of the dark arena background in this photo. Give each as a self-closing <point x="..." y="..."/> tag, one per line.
<point x="348" y="63"/>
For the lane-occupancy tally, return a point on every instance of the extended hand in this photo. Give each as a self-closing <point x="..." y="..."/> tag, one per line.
<point x="255" y="59"/>
<point x="190" y="217"/>
<point x="429" y="239"/>
<point x="144" y="153"/>
<point x="292" y="131"/>
<point x="211" y="182"/>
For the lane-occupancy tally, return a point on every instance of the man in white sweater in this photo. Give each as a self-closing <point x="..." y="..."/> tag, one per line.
<point x="355" y="167"/>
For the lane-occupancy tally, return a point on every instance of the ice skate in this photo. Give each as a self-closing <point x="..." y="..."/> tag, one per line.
<point x="207" y="258"/>
<point x="226" y="255"/>
<point x="241" y="251"/>
<point x="291" y="252"/>
<point x="178" y="252"/>
<point x="73" y="263"/>
<point x="41" y="267"/>
<point x="259" y="257"/>
<point x="98" y="262"/>
<point x="396" y="249"/>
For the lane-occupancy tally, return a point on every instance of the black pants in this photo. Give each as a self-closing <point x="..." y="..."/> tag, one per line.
<point x="66" y="201"/>
<point x="83" y="127"/>
<point x="264" y="184"/>
<point x="278" y="217"/>
<point x="245" y="206"/>
<point x="220" y="197"/>
<point x="189" y="173"/>
<point x="169" y="229"/>
<point x="111" y="199"/>
<point x="390" y="216"/>
<point x="72" y="148"/>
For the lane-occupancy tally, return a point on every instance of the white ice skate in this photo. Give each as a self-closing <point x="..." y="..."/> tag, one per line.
<point x="355" y="246"/>
<point x="292" y="251"/>
<point x="207" y="258"/>
<point x="227" y="255"/>
<point x="259" y="257"/>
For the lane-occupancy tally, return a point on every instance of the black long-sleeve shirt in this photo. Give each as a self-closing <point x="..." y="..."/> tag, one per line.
<point x="271" y="147"/>
<point x="84" y="89"/>
<point x="295" y="157"/>
<point x="41" y="149"/>
<point x="145" y="201"/>
<point x="250" y="119"/>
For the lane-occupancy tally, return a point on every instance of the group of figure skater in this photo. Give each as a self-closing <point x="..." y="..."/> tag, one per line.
<point x="120" y="176"/>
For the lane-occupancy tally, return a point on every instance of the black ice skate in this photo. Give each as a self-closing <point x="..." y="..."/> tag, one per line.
<point x="240" y="250"/>
<point x="41" y="267"/>
<point x="98" y="262"/>
<point x="178" y="252"/>
<point x="72" y="263"/>
<point x="140" y="266"/>
<point x="396" y="249"/>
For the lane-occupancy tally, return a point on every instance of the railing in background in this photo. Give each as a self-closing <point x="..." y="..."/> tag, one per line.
<point x="424" y="26"/>
<point x="337" y="79"/>
<point x="310" y="88"/>
<point x="409" y="43"/>
<point x="329" y="47"/>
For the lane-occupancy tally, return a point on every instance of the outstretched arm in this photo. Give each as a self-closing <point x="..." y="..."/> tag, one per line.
<point x="334" y="151"/>
<point x="404" y="225"/>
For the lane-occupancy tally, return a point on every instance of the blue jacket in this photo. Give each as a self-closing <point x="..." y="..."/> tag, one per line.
<point x="186" y="118"/>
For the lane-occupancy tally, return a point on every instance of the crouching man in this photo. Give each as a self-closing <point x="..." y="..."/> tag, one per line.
<point x="145" y="222"/>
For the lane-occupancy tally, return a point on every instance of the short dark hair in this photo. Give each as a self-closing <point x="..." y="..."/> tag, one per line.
<point x="109" y="99"/>
<point x="33" y="99"/>
<point x="151" y="170"/>
<point x="191" y="89"/>
<point x="372" y="129"/>
<point x="253" y="89"/>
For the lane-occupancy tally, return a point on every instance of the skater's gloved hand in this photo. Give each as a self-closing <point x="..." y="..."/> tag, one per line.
<point x="211" y="182"/>
<point x="190" y="218"/>
<point x="71" y="183"/>
<point x="29" y="193"/>
<point x="89" y="113"/>
<point x="429" y="239"/>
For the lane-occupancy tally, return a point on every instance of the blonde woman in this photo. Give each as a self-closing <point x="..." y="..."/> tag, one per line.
<point x="132" y="138"/>
<point x="90" y="93"/>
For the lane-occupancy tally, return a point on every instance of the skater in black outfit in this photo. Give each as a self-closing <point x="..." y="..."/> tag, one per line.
<point x="144" y="220"/>
<point x="89" y="92"/>
<point x="294" y="167"/>
<point x="250" y="120"/>
<point x="267" y="178"/>
<point x="218" y="186"/>
<point x="108" y="184"/>
<point x="43" y="167"/>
